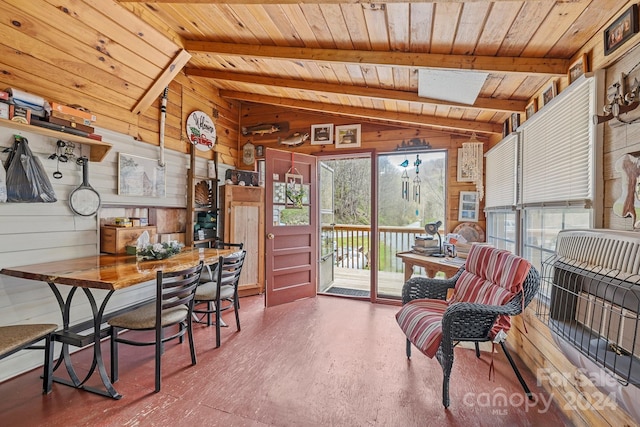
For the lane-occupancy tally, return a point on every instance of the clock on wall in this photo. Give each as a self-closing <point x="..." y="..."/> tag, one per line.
<point x="201" y="131"/>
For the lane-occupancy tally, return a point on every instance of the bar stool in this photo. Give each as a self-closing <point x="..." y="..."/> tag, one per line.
<point x="14" y="338"/>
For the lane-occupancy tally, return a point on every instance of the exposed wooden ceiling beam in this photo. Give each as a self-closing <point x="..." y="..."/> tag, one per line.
<point x="532" y="66"/>
<point x="367" y="3"/>
<point x="502" y="105"/>
<point x="341" y="110"/>
<point x="167" y="75"/>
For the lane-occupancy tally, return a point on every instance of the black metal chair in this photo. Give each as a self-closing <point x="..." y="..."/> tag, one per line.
<point x="209" y="274"/>
<point x="460" y="321"/>
<point x="173" y="306"/>
<point x="14" y="338"/>
<point x="223" y="288"/>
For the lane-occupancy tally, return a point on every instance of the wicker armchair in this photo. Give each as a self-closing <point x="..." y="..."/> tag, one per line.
<point x="464" y="321"/>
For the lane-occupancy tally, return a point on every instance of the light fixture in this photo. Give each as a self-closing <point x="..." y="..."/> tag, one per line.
<point x="432" y="229"/>
<point x="471" y="159"/>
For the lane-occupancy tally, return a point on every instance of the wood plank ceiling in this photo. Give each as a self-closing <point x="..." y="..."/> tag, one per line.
<point x="337" y="57"/>
<point x="361" y="59"/>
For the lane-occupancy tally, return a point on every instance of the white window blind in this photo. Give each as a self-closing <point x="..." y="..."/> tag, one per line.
<point x="500" y="173"/>
<point x="557" y="149"/>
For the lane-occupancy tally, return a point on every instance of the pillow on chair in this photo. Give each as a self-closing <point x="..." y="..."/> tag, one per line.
<point x="492" y="276"/>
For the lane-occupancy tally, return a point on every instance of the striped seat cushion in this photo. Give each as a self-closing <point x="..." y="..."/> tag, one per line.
<point x="492" y="276"/>
<point x="421" y="321"/>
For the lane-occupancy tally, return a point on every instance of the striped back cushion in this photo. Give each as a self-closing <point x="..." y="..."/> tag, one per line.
<point x="492" y="276"/>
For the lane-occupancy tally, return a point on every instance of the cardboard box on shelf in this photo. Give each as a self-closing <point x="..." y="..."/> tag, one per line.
<point x="20" y="114"/>
<point x="70" y="117"/>
<point x="61" y="108"/>
<point x="114" y="240"/>
<point x="71" y="124"/>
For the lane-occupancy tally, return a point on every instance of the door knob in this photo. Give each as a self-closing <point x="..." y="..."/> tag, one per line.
<point x="270" y="236"/>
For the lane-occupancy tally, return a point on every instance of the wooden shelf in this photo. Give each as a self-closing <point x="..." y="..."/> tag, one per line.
<point x="99" y="149"/>
<point x="205" y="209"/>
<point x="211" y="239"/>
<point x="193" y="208"/>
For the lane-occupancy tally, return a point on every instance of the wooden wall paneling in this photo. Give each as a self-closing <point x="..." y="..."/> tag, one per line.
<point x="64" y="46"/>
<point x="374" y="136"/>
<point x="116" y="34"/>
<point x="137" y="27"/>
<point x="49" y="231"/>
<point x="582" y="401"/>
<point x="108" y="116"/>
<point x="84" y="80"/>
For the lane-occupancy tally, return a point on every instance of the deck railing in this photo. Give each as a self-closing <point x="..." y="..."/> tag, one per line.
<point x="353" y="245"/>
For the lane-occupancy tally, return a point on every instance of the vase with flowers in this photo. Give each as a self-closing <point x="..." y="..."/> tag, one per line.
<point x="158" y="250"/>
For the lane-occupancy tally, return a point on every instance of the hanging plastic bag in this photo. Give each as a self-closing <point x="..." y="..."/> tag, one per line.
<point x="27" y="180"/>
<point x="3" y="184"/>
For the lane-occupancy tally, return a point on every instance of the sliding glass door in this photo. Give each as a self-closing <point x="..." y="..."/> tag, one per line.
<point x="411" y="192"/>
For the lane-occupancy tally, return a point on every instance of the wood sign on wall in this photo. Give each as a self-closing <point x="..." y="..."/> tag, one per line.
<point x="628" y="205"/>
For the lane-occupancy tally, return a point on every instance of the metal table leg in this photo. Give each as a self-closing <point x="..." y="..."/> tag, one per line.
<point x="98" y="361"/>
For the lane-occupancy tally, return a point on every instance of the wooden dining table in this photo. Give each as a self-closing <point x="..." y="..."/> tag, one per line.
<point x="104" y="272"/>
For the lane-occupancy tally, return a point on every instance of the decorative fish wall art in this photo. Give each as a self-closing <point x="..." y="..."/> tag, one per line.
<point x="265" y="128"/>
<point x="294" y="139"/>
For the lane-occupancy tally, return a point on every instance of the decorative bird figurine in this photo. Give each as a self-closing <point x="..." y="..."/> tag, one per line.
<point x="405" y="163"/>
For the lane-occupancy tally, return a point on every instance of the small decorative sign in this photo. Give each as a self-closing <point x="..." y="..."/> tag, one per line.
<point x="248" y="153"/>
<point x="201" y="131"/>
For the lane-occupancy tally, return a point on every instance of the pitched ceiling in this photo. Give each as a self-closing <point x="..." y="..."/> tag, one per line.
<point x="362" y="59"/>
<point x="347" y="58"/>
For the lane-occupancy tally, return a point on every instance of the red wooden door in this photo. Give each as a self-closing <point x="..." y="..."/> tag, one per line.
<point x="291" y="227"/>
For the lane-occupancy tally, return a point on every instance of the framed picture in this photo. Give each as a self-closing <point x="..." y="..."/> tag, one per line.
<point x="322" y="134"/>
<point x="139" y="176"/>
<point x="548" y="94"/>
<point x="515" y="121"/>
<point x="348" y="136"/>
<point x="578" y="68"/>
<point x="506" y="128"/>
<point x="621" y="30"/>
<point x="531" y="108"/>
<point x="468" y="209"/>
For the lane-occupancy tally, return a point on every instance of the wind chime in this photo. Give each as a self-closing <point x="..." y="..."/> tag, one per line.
<point x="417" y="181"/>
<point x="405" y="180"/>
